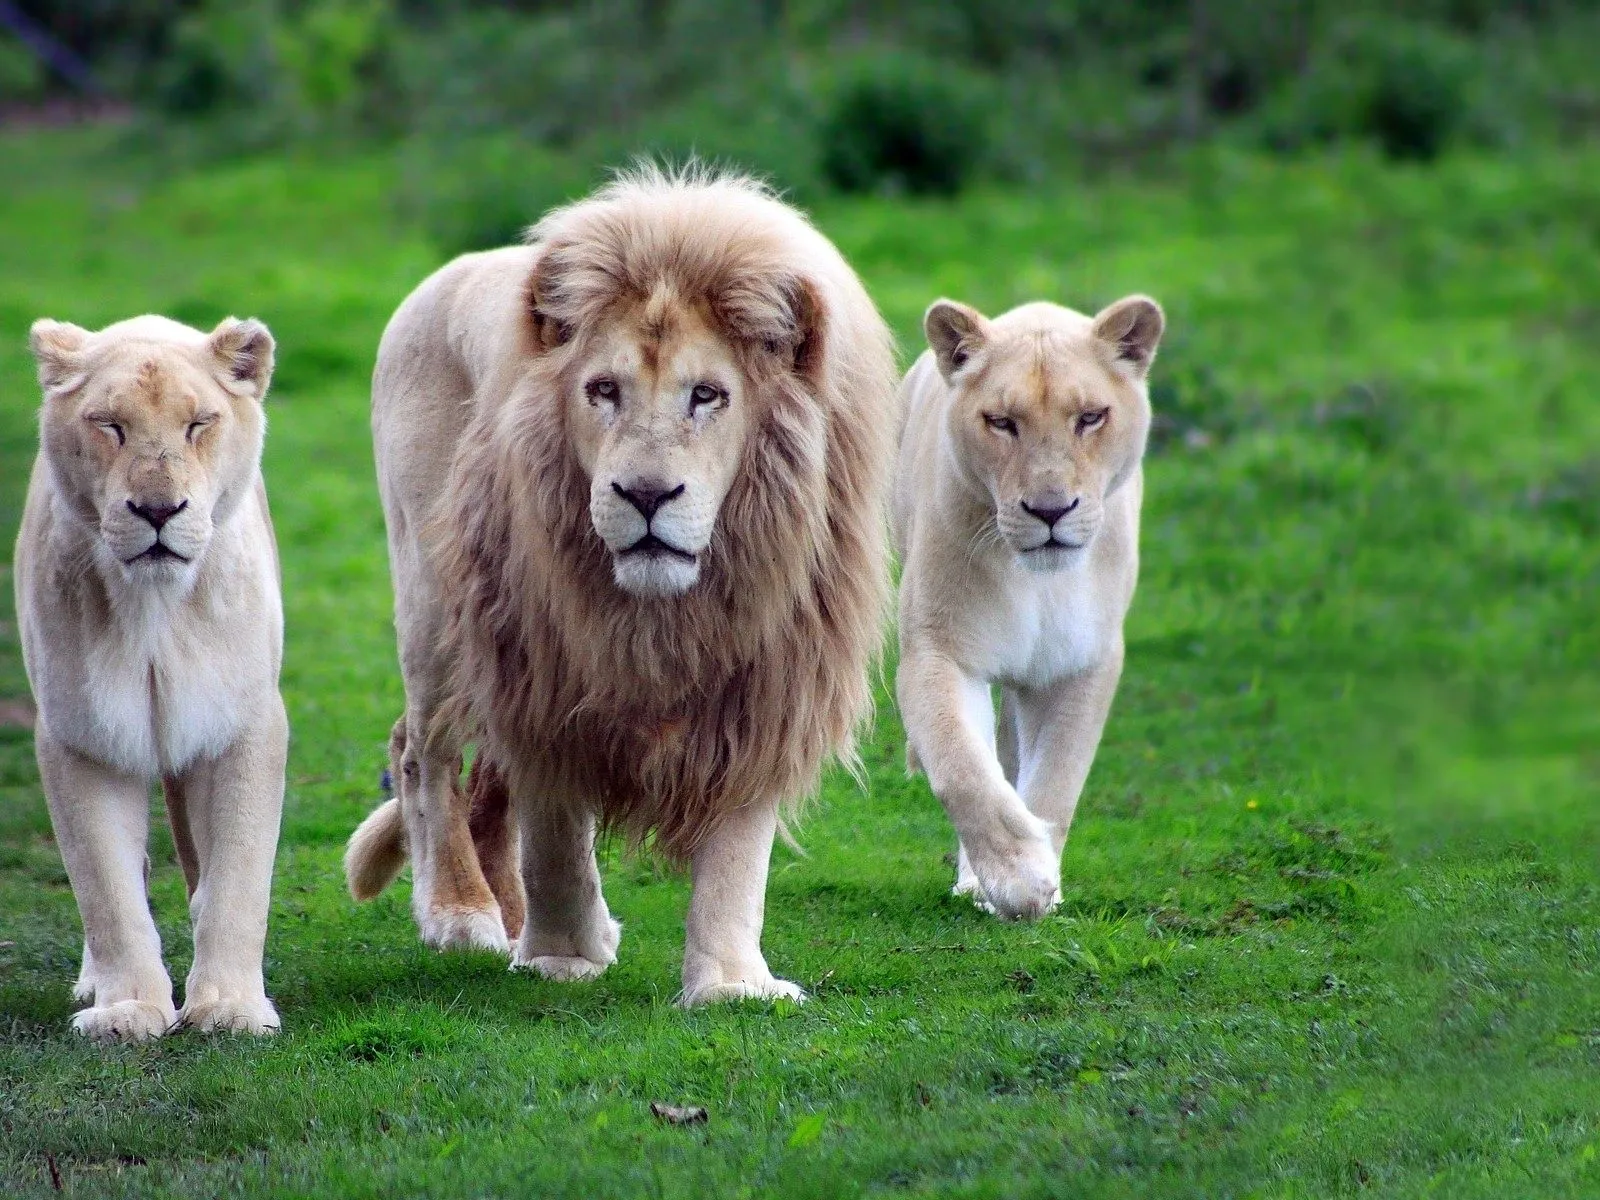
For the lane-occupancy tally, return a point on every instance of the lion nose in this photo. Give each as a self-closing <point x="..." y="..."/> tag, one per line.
<point x="157" y="514"/>
<point x="1051" y="514"/>
<point x="647" y="496"/>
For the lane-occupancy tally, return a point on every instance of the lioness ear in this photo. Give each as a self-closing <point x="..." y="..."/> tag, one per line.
<point x="955" y="332"/>
<point x="244" y="352"/>
<point x="1133" y="326"/>
<point x="57" y="348"/>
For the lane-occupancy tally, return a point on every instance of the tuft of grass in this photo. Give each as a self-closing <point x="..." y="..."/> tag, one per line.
<point x="1330" y="924"/>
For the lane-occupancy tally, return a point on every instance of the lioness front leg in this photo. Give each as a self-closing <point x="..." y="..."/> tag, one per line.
<point x="949" y="720"/>
<point x="1057" y="731"/>
<point x="233" y="805"/>
<point x="567" y="931"/>
<point x="102" y="821"/>
<point x="722" y="957"/>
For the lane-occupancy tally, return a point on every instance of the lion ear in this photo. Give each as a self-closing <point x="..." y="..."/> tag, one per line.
<point x="785" y="315"/>
<point x="806" y="317"/>
<point x="244" y="353"/>
<point x="548" y="331"/>
<point x="956" y="333"/>
<point x="58" y="350"/>
<point x="1133" y="327"/>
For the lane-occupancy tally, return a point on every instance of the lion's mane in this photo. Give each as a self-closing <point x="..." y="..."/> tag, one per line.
<point x="664" y="714"/>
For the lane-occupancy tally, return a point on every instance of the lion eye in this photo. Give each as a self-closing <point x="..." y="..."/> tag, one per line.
<point x="1091" y="420"/>
<point x="602" y="389"/>
<point x="1000" y="424"/>
<point x="114" y="430"/>
<point x="704" y="394"/>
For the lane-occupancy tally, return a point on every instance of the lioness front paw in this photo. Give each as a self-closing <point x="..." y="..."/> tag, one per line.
<point x="464" y="929"/>
<point x="232" y="1014"/>
<point x="765" y="987"/>
<point x="124" y="1021"/>
<point x="1020" y="877"/>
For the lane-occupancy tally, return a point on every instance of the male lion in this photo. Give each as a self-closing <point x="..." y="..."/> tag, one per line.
<point x="635" y="476"/>
<point x="1016" y="515"/>
<point x="152" y="631"/>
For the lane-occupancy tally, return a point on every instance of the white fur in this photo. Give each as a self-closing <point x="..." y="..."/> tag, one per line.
<point x="149" y="669"/>
<point x="982" y="606"/>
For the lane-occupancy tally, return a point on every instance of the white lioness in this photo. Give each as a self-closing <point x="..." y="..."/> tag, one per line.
<point x="1016" y="516"/>
<point x="147" y="594"/>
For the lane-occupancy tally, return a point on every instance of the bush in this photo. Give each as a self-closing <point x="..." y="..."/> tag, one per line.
<point x="481" y="192"/>
<point x="897" y="123"/>
<point x="21" y="77"/>
<point x="1404" y="86"/>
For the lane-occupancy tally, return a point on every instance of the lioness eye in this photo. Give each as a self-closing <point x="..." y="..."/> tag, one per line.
<point x="1000" y="424"/>
<point x="195" y="427"/>
<point x="1089" y="420"/>
<point x="602" y="389"/>
<point x="705" y="393"/>
<point x="114" y="429"/>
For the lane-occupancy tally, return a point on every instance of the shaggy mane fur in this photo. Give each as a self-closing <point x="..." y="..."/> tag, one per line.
<point x="664" y="714"/>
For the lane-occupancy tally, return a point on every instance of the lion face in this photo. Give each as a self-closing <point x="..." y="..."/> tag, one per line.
<point x="1048" y="420"/>
<point x="659" y="415"/>
<point x="153" y="432"/>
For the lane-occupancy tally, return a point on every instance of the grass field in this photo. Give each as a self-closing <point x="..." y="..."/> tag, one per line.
<point x="1332" y="917"/>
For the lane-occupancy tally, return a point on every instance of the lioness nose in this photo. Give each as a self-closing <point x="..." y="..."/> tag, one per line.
<point x="157" y="514"/>
<point x="1052" y="514"/>
<point x="647" y="495"/>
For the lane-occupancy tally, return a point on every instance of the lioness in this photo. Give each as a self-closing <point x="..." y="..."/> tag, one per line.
<point x="152" y="629"/>
<point x="1016" y="517"/>
<point x="635" y="477"/>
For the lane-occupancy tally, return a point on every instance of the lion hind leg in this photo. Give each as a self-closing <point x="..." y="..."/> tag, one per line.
<point x="489" y="822"/>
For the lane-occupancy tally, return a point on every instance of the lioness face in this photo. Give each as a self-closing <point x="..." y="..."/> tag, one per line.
<point x="1049" y="421"/>
<point x="659" y="417"/>
<point x="153" y="432"/>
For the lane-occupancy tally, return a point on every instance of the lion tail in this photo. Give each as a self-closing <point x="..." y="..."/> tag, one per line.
<point x="376" y="852"/>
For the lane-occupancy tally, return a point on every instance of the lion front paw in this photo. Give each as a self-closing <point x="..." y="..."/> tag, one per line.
<point x="567" y="958"/>
<point x="464" y="929"/>
<point x="751" y="987"/>
<point x="232" y="1014"/>
<point x="563" y="968"/>
<point x="124" y="1021"/>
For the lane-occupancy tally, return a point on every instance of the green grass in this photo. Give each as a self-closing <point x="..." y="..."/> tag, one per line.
<point x="1331" y="919"/>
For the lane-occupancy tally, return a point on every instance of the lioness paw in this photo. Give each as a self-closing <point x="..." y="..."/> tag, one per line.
<point x="464" y="929"/>
<point x="232" y="1014"/>
<point x="767" y="988"/>
<point x="973" y="891"/>
<point x="1021" y="882"/>
<point x="124" y="1021"/>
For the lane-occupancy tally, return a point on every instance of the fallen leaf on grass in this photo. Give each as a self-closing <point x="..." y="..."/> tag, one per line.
<point x="672" y="1114"/>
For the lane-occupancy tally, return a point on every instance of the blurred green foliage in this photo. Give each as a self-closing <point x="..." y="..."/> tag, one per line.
<point x="819" y="95"/>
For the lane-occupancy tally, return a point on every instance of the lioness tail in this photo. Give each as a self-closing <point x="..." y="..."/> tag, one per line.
<point x="376" y="852"/>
